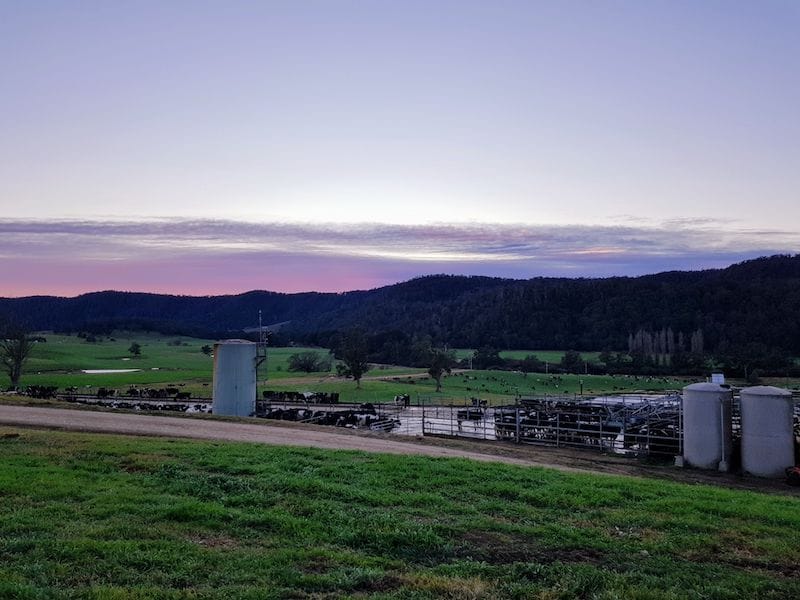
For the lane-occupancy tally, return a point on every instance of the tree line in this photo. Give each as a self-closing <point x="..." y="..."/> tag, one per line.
<point x="742" y="318"/>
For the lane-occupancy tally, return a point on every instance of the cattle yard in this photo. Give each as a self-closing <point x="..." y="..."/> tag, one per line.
<point x="634" y="425"/>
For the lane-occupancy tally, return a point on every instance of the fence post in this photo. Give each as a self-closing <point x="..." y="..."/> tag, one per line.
<point x="517" y="419"/>
<point x="624" y="422"/>
<point x="680" y="426"/>
<point x="558" y="428"/>
<point x="602" y="439"/>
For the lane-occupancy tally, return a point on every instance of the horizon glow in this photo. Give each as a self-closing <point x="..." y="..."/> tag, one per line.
<point x="387" y="140"/>
<point x="204" y="257"/>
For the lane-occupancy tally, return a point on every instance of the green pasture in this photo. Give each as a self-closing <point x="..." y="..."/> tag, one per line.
<point x="178" y="361"/>
<point x="61" y="359"/>
<point x="551" y="356"/>
<point x="495" y="386"/>
<point x="69" y="354"/>
<point x="112" y="517"/>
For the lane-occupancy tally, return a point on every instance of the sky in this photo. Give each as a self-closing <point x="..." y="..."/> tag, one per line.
<point x="216" y="147"/>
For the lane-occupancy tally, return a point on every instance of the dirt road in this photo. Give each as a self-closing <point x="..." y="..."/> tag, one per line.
<point x="263" y="433"/>
<point x="310" y="436"/>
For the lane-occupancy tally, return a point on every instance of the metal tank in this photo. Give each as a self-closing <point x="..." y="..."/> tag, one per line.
<point x="767" y="435"/>
<point x="235" y="378"/>
<point x="707" y="430"/>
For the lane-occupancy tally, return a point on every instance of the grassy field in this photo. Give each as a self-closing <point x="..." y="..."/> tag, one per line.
<point x="91" y="516"/>
<point x="551" y="356"/>
<point x="496" y="386"/>
<point x="60" y="360"/>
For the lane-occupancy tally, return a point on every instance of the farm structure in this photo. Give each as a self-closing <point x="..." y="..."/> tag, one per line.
<point x="636" y="425"/>
<point x="633" y="425"/>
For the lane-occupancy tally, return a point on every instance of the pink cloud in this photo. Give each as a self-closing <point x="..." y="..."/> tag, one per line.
<point x="225" y="257"/>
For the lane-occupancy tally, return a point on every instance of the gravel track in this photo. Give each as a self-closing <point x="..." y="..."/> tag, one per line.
<point x="208" y="429"/>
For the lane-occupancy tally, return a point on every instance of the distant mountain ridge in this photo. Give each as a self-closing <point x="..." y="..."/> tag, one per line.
<point x="753" y="301"/>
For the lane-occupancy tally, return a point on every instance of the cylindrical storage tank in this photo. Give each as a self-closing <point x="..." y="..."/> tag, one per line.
<point x="235" y="378"/>
<point x="707" y="433"/>
<point x="767" y="435"/>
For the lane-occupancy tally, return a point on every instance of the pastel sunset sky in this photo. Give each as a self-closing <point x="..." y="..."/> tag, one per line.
<point x="202" y="147"/>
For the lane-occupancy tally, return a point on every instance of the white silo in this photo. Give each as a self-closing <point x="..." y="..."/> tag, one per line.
<point x="767" y="435"/>
<point x="707" y="433"/>
<point x="235" y="378"/>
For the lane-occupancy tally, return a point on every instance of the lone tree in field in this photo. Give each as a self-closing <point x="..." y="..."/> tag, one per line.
<point x="135" y="349"/>
<point x="442" y="361"/>
<point x="531" y="364"/>
<point x="15" y="347"/>
<point x="309" y="362"/>
<point x="206" y="349"/>
<point x="353" y="354"/>
<point x="572" y="362"/>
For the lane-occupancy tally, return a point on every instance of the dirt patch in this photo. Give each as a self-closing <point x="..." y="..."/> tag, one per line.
<point x="385" y="583"/>
<point x="742" y="562"/>
<point x="502" y="548"/>
<point x="632" y="533"/>
<point x="214" y="541"/>
<point x="791" y="571"/>
<point x="132" y="467"/>
<point x="141" y="462"/>
<point x="454" y="588"/>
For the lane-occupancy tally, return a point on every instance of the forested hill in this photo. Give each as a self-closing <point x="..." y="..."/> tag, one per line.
<point x="757" y="301"/>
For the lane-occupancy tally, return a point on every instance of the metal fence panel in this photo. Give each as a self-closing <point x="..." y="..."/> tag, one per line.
<point x="637" y="425"/>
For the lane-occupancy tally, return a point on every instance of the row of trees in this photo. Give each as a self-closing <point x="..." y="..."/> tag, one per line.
<point x="664" y="342"/>
<point x="651" y="353"/>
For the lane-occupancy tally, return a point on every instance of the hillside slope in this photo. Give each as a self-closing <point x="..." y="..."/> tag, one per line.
<point x="757" y="301"/>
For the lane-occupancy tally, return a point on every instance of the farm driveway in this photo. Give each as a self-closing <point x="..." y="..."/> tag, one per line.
<point x="263" y="433"/>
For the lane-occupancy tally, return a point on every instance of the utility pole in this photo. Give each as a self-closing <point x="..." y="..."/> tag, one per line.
<point x="261" y="349"/>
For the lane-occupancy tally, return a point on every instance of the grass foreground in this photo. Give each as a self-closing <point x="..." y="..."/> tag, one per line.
<point x="113" y="517"/>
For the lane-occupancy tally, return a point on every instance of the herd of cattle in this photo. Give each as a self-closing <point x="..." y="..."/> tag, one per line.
<point x="651" y="427"/>
<point x="363" y="417"/>
<point x="172" y="399"/>
<point x="310" y="397"/>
